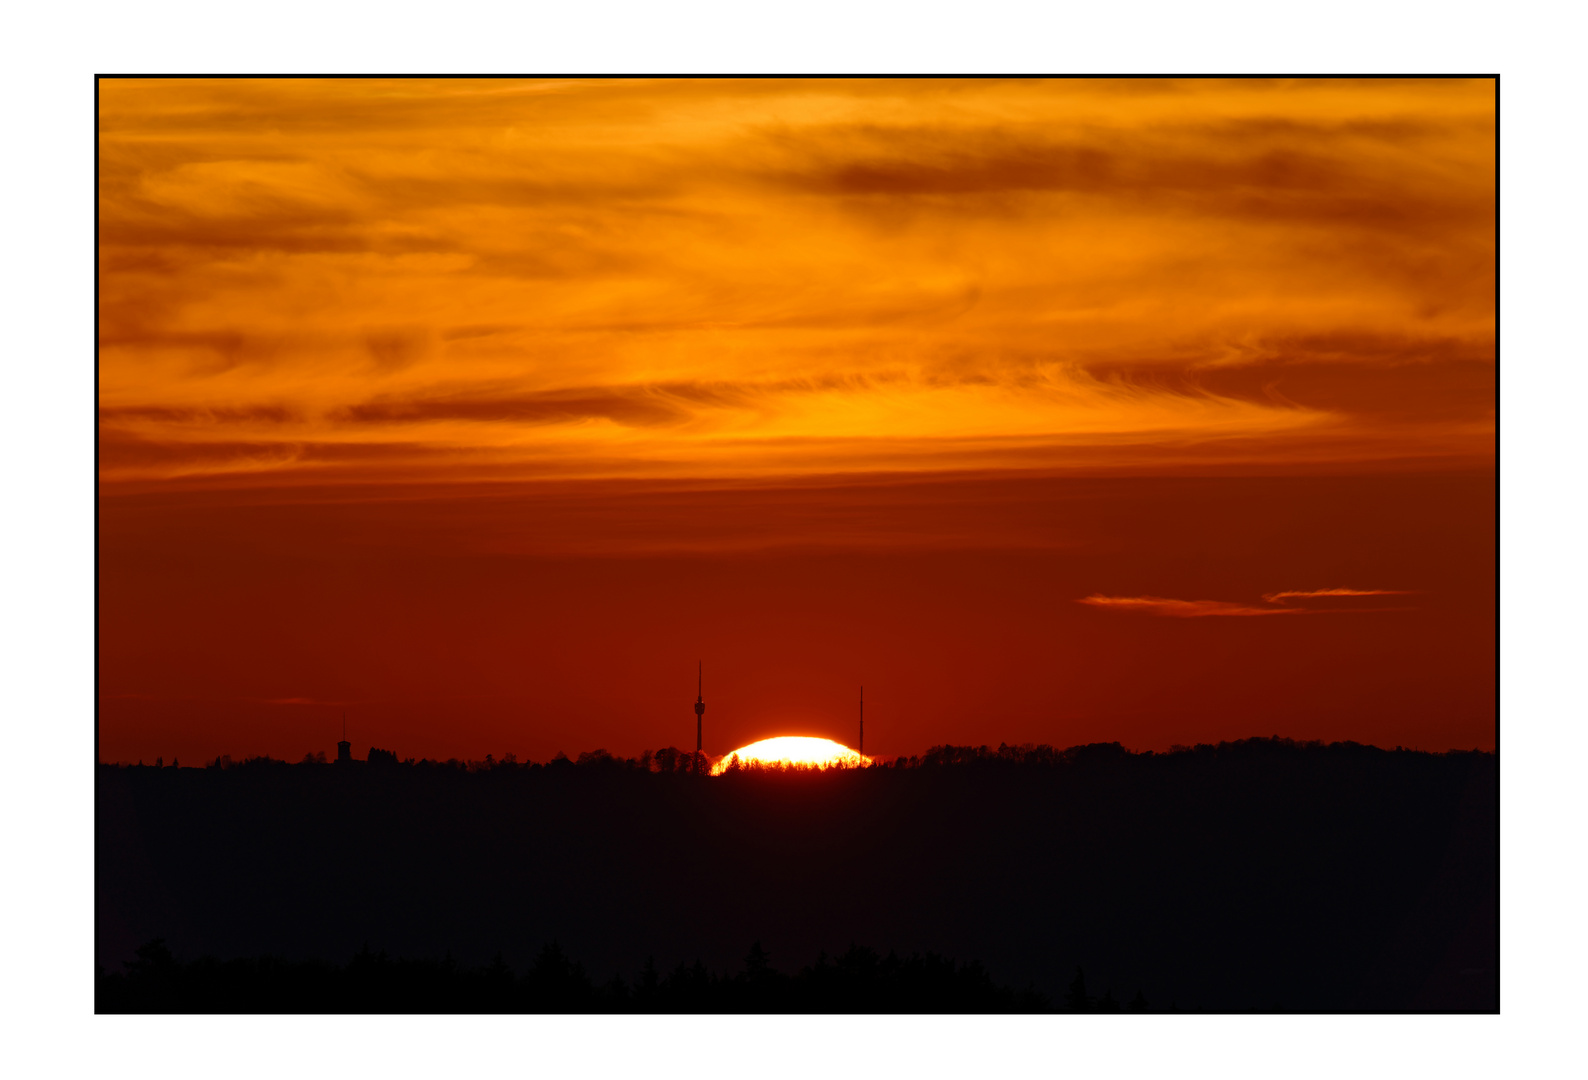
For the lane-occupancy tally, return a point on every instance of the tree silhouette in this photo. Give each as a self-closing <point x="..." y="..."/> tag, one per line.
<point x="630" y="857"/>
<point x="649" y="984"/>
<point x="756" y="964"/>
<point x="1075" y="998"/>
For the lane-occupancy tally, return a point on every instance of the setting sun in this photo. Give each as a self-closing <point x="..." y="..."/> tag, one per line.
<point x="793" y="750"/>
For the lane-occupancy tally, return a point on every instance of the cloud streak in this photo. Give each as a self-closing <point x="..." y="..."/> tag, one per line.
<point x="1196" y="609"/>
<point x="1307" y="594"/>
<point x="1180" y="609"/>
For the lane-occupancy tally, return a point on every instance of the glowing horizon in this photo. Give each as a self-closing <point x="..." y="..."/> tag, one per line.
<point x="793" y="750"/>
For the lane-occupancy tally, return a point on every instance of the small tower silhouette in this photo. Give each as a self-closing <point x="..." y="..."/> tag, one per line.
<point x="700" y="704"/>
<point x="861" y="749"/>
<point x="344" y="749"/>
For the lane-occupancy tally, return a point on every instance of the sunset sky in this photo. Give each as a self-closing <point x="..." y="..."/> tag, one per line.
<point x="1158" y="412"/>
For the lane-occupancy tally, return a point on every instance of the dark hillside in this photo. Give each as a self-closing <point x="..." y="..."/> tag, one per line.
<point x="1254" y="875"/>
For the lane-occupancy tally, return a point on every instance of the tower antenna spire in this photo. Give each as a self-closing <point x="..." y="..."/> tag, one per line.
<point x="700" y="705"/>
<point x="861" y="749"/>
<point x="344" y="749"/>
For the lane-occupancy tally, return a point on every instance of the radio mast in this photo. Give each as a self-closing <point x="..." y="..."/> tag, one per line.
<point x="700" y="705"/>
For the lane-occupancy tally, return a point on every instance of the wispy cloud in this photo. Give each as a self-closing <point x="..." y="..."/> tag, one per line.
<point x="1180" y="609"/>
<point x="1303" y="594"/>
<point x="1194" y="609"/>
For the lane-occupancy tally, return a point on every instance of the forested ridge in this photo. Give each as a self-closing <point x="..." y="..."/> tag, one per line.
<point x="1259" y="874"/>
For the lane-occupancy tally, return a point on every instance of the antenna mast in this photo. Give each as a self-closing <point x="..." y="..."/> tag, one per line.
<point x="862" y="747"/>
<point x="700" y="706"/>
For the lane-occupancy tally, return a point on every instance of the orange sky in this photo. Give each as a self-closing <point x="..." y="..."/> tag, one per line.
<point x="477" y="408"/>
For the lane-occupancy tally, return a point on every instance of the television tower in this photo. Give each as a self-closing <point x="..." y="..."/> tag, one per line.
<point x="700" y="704"/>
<point x="861" y="749"/>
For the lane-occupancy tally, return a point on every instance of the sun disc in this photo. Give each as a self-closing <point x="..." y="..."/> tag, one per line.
<point x="792" y="750"/>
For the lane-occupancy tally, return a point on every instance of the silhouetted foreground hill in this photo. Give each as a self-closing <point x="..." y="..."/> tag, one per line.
<point x="858" y="981"/>
<point x="1262" y="874"/>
